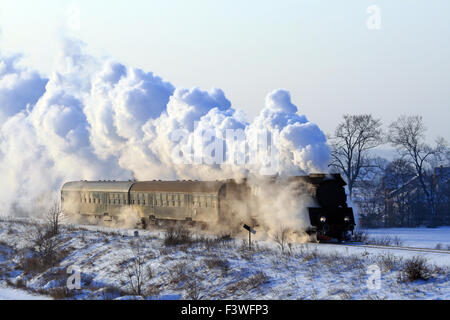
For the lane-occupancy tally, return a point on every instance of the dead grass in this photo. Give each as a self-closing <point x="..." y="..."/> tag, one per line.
<point x="177" y="235"/>
<point x="360" y="236"/>
<point x="178" y="274"/>
<point x="112" y="292"/>
<point x="256" y="281"/>
<point x="31" y="265"/>
<point x="193" y="289"/>
<point x="310" y="255"/>
<point x="60" y="293"/>
<point x="218" y="263"/>
<point x="388" y="262"/>
<point x="384" y="241"/>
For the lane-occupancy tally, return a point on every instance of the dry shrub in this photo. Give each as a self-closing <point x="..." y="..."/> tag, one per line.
<point x="152" y="290"/>
<point x="310" y="255"/>
<point x="217" y="263"/>
<point x="60" y="293"/>
<point x="388" y="262"/>
<point x="360" y="236"/>
<point x="224" y="238"/>
<point x="46" y="244"/>
<point x="281" y="237"/>
<point x="110" y="293"/>
<point x="384" y="241"/>
<point x="31" y="265"/>
<point x="258" y="280"/>
<point x="253" y="282"/>
<point x="210" y="243"/>
<point x="137" y="274"/>
<point x="177" y="235"/>
<point x="416" y="268"/>
<point x="177" y="274"/>
<point x="20" y="284"/>
<point x="193" y="291"/>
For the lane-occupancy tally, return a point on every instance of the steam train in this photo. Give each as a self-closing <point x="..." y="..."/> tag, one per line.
<point x="227" y="203"/>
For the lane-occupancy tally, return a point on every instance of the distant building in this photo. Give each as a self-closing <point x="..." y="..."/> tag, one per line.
<point x="407" y="205"/>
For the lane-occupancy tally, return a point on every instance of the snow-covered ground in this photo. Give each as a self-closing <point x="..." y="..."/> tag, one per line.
<point x="210" y="268"/>
<point x="16" y="294"/>
<point x="416" y="237"/>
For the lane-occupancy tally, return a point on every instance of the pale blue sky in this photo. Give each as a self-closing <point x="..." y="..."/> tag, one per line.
<point x="322" y="51"/>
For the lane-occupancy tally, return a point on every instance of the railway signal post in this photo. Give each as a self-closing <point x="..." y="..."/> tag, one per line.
<point x="250" y="231"/>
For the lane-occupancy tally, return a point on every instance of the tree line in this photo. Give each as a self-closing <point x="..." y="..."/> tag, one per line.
<point x="410" y="190"/>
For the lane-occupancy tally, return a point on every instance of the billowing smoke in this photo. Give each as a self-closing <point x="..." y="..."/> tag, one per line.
<point x="99" y="120"/>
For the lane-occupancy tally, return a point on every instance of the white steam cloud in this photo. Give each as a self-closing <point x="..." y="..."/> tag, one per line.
<point x="102" y="120"/>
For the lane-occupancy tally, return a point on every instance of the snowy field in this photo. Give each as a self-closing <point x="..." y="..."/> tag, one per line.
<point x="416" y="237"/>
<point x="16" y="294"/>
<point x="208" y="267"/>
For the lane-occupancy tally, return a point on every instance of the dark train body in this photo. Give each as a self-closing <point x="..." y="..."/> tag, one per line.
<point x="215" y="202"/>
<point x="332" y="218"/>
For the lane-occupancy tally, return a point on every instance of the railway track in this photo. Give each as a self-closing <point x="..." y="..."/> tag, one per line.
<point x="423" y="250"/>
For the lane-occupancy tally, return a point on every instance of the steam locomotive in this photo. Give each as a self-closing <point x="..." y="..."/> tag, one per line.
<point x="332" y="218"/>
<point x="227" y="203"/>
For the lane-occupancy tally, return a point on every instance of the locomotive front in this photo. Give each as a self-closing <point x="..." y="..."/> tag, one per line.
<point x="332" y="219"/>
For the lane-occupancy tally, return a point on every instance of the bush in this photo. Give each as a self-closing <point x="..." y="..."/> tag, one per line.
<point x="177" y="235"/>
<point x="224" y="238"/>
<point x="389" y="261"/>
<point x="360" y="236"/>
<point x="60" y="293"/>
<point x="416" y="268"/>
<point x="112" y="292"/>
<point x="217" y="263"/>
<point x="310" y="255"/>
<point x="384" y="241"/>
<point x="251" y="283"/>
<point x="20" y="284"/>
<point x="193" y="290"/>
<point x="46" y="245"/>
<point x="178" y="273"/>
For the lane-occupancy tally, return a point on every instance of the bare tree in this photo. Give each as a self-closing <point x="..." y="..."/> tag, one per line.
<point x="54" y="217"/>
<point x="281" y="237"/>
<point x="137" y="273"/>
<point x="396" y="176"/>
<point x="350" y="144"/>
<point x="369" y="198"/>
<point x="407" y="134"/>
<point x="46" y="245"/>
